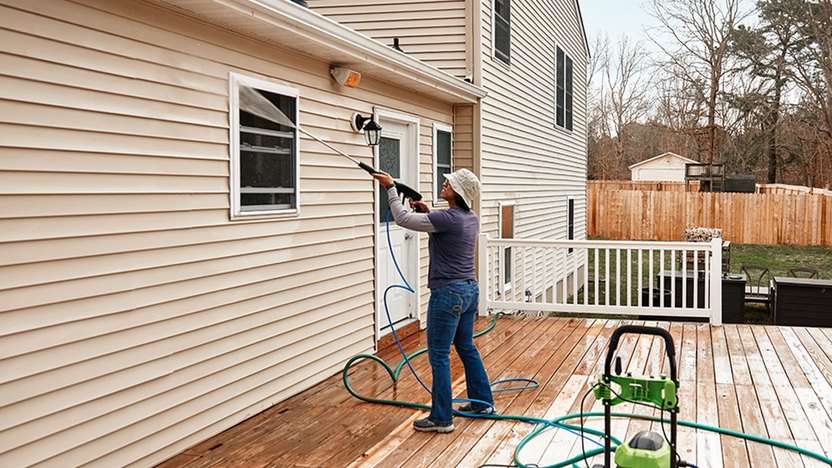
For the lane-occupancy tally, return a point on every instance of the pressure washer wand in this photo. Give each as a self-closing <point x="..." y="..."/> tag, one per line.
<point x="255" y="103"/>
<point x="402" y="188"/>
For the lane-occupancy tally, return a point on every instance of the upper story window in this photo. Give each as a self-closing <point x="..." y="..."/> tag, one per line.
<point x="502" y="30"/>
<point x="563" y="80"/>
<point x="442" y="159"/>
<point x="264" y="148"/>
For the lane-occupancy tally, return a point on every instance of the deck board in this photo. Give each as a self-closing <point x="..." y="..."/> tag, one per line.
<point x="770" y="381"/>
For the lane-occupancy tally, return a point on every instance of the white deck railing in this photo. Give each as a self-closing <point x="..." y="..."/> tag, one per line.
<point x="602" y="277"/>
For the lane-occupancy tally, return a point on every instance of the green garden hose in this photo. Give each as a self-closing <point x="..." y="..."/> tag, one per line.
<point x="695" y="425"/>
<point x="559" y="421"/>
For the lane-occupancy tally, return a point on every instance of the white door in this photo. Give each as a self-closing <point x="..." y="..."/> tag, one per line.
<point x="398" y="156"/>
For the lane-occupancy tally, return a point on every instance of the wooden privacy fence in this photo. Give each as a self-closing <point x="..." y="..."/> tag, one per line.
<point x="791" y="189"/>
<point x="648" y="185"/>
<point x="745" y="218"/>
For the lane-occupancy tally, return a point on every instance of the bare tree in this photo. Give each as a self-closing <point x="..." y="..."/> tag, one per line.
<point x="679" y="108"/>
<point x="700" y="32"/>
<point x="598" y="107"/>
<point x="764" y="52"/>
<point x="813" y="64"/>
<point x="601" y="159"/>
<point x="626" y="84"/>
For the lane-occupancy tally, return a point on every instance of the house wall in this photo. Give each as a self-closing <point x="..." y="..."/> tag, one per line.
<point x="667" y="168"/>
<point x="463" y="137"/>
<point x="525" y="157"/>
<point x="136" y="319"/>
<point x="432" y="31"/>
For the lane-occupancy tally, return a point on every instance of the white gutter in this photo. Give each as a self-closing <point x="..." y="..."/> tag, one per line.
<point x="286" y="15"/>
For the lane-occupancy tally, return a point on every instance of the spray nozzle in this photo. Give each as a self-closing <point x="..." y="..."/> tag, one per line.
<point x="403" y="189"/>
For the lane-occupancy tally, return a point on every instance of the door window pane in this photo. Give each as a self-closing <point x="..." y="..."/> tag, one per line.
<point x="389" y="158"/>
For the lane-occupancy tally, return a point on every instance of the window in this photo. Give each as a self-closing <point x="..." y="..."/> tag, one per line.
<point x="506" y="221"/>
<point x="502" y="30"/>
<point x="563" y="80"/>
<point x="442" y="159"/>
<point x="570" y="220"/>
<point x="264" y="148"/>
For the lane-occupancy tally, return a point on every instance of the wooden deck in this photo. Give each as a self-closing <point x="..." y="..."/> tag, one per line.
<point x="774" y="382"/>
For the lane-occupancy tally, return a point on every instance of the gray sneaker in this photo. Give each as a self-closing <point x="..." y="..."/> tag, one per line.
<point x="426" y="425"/>
<point x="469" y="408"/>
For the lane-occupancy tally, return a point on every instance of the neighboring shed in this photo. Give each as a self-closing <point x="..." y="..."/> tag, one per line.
<point x="148" y="297"/>
<point x="665" y="167"/>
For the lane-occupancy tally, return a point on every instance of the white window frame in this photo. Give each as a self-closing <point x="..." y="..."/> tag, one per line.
<point x="508" y="281"/>
<point x="438" y="127"/>
<point x="234" y="82"/>
<point x="566" y="57"/>
<point x="494" y="36"/>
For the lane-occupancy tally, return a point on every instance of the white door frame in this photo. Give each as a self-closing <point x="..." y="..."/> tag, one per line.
<point x="410" y="266"/>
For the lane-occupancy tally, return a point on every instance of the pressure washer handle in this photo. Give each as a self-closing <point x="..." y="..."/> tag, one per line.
<point x="669" y="347"/>
<point x="368" y="168"/>
<point x="403" y="189"/>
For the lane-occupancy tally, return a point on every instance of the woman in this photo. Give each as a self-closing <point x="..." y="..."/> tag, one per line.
<point x="454" y="293"/>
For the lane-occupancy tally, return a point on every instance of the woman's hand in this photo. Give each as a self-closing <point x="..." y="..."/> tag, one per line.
<point x="385" y="179"/>
<point x="420" y="206"/>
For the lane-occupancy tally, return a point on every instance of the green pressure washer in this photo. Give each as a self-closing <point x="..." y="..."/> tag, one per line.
<point x="646" y="449"/>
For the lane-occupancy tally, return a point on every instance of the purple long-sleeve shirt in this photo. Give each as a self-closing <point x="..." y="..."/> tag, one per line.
<point x="452" y="239"/>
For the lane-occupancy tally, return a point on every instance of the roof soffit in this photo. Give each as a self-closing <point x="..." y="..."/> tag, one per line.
<point x="290" y="26"/>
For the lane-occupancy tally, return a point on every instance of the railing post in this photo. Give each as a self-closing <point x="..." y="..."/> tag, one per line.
<point x="482" y="264"/>
<point x="716" y="281"/>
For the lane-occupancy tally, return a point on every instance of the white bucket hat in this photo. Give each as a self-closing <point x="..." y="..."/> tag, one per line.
<point x="466" y="184"/>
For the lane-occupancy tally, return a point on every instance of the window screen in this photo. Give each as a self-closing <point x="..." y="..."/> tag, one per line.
<point x="265" y="155"/>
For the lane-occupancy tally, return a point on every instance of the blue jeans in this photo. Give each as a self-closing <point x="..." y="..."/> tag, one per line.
<point x="451" y="313"/>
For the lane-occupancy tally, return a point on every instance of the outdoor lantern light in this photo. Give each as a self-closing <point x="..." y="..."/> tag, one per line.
<point x="371" y="128"/>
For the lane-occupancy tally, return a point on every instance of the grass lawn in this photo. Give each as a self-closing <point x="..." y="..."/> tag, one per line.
<point x="778" y="259"/>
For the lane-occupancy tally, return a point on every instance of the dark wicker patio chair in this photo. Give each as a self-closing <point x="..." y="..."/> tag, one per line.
<point x="757" y="285"/>
<point x="801" y="272"/>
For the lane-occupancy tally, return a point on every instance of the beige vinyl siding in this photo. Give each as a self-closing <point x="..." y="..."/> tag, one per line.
<point x="463" y="138"/>
<point x="135" y="319"/>
<point x="433" y="31"/>
<point x="525" y="157"/>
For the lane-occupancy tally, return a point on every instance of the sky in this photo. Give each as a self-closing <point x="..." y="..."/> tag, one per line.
<point x="615" y="17"/>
